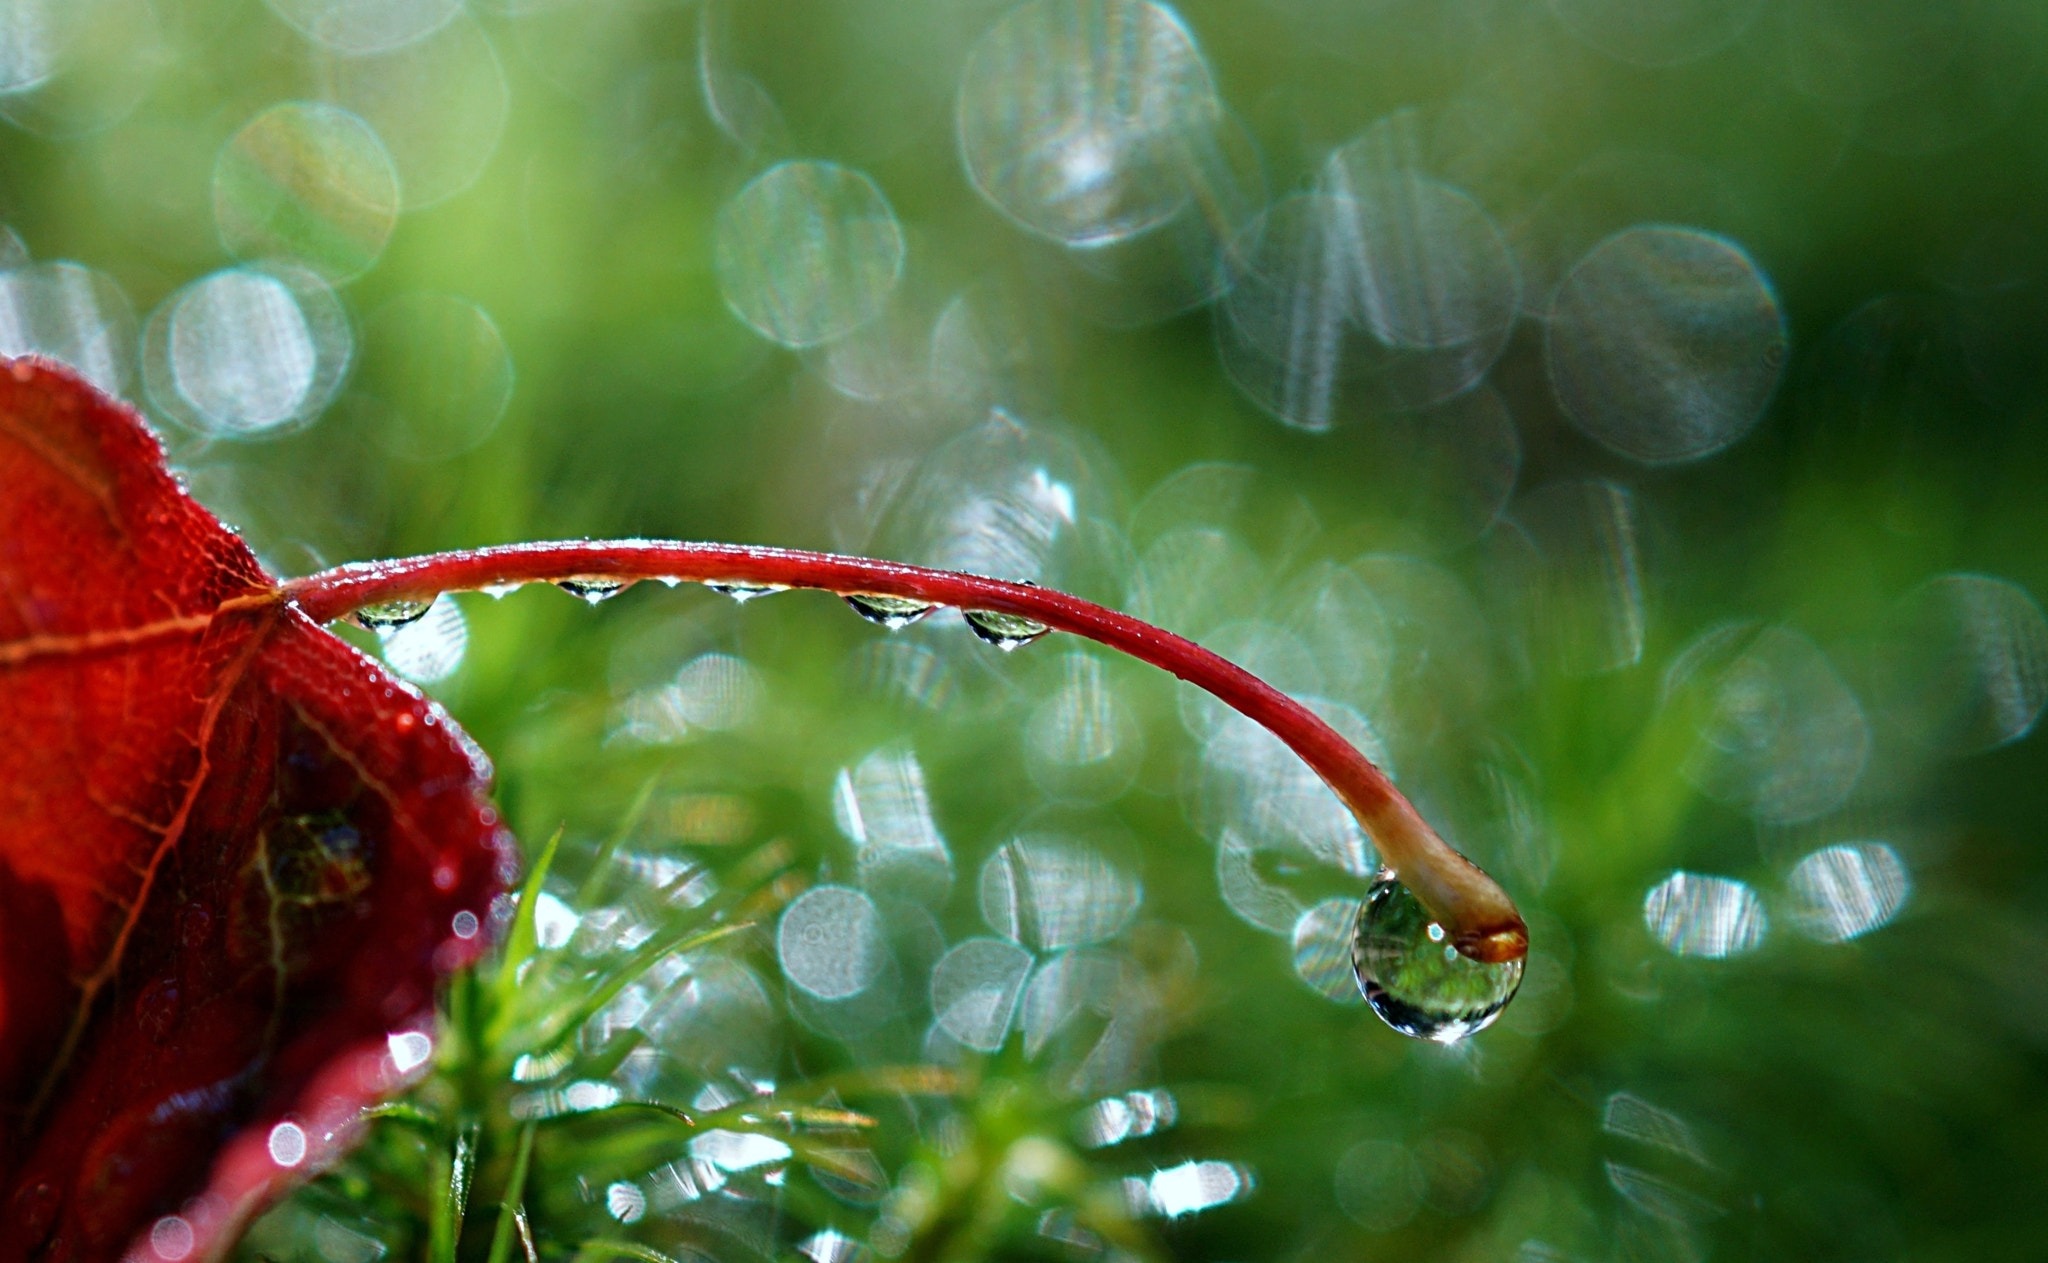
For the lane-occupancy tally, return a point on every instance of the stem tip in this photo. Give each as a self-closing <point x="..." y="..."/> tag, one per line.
<point x="1496" y="945"/>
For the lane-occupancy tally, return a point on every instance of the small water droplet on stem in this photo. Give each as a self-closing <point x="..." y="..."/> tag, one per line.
<point x="744" y="592"/>
<point x="1414" y="978"/>
<point x="499" y="591"/>
<point x="892" y="612"/>
<point x="385" y="617"/>
<point x="593" y="588"/>
<point x="1006" y="632"/>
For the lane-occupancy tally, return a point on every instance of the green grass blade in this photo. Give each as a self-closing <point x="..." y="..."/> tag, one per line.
<point x="604" y="1249"/>
<point x="624" y="976"/>
<point x="600" y="867"/>
<point x="404" y="1112"/>
<point x="525" y="935"/>
<point x="445" y="1232"/>
<point x="514" y="1200"/>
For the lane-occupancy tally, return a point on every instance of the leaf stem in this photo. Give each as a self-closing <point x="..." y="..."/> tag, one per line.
<point x="1482" y="920"/>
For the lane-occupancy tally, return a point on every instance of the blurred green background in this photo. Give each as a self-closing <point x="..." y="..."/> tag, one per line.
<point x="1629" y="419"/>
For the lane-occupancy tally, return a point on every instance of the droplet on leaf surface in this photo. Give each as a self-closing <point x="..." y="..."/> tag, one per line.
<point x="1414" y="978"/>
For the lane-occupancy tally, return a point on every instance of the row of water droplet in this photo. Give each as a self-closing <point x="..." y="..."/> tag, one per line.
<point x="1003" y="630"/>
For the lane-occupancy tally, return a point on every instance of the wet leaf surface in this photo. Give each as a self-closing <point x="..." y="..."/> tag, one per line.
<point x="233" y="848"/>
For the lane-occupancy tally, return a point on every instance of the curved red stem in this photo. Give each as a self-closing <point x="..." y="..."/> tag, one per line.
<point x="1480" y="917"/>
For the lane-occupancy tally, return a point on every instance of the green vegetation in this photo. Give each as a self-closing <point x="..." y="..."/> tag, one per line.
<point x="1760" y="777"/>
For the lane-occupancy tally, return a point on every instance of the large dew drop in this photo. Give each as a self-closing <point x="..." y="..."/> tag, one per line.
<point x="1412" y="976"/>
<point x="1005" y="631"/>
<point x="892" y="612"/>
<point x="385" y="617"/>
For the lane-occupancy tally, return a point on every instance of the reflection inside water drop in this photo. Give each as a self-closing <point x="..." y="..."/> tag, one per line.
<point x="385" y="617"/>
<point x="1005" y="631"/>
<point x="592" y="588"/>
<point x="1414" y="978"/>
<point x="892" y="612"/>
<point x="744" y="592"/>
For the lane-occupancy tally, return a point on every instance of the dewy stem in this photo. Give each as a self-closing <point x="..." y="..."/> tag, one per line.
<point x="1478" y="914"/>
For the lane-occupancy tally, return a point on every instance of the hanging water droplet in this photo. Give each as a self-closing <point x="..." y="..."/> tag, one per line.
<point x="667" y="580"/>
<point x="385" y="617"/>
<point x="593" y="588"/>
<point x="499" y="591"/>
<point x="1414" y="978"/>
<point x="1005" y="631"/>
<point x="892" y="612"/>
<point x="744" y="592"/>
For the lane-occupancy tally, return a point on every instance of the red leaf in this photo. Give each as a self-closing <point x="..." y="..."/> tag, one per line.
<point x="231" y="852"/>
